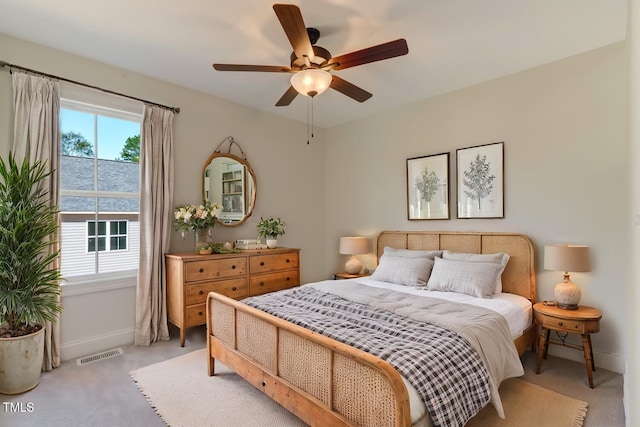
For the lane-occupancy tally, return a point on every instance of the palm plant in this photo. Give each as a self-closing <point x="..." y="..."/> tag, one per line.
<point x="29" y="281"/>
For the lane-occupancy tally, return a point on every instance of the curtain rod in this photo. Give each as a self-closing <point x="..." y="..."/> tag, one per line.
<point x="18" y="67"/>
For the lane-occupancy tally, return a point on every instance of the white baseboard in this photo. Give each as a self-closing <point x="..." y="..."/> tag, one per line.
<point x="608" y="361"/>
<point x="74" y="349"/>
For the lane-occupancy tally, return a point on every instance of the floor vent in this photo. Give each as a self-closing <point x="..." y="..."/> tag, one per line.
<point x="99" y="356"/>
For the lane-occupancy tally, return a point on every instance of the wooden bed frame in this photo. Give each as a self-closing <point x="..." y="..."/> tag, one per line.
<point x="325" y="382"/>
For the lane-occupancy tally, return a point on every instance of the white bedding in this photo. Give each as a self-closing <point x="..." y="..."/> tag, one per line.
<point x="517" y="311"/>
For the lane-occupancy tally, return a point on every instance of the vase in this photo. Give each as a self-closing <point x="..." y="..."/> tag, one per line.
<point x="271" y="242"/>
<point x="201" y="238"/>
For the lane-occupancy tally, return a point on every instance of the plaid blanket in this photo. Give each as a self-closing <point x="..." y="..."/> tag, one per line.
<point x="442" y="366"/>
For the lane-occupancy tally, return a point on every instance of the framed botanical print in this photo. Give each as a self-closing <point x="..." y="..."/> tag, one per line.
<point x="480" y="181"/>
<point x="428" y="187"/>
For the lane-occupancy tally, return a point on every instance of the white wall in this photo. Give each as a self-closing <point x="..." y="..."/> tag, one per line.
<point x="289" y="179"/>
<point x="564" y="126"/>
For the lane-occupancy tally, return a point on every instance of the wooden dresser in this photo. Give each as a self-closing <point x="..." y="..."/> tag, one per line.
<point x="190" y="278"/>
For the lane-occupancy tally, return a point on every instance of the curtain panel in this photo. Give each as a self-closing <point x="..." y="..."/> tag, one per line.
<point x="36" y="130"/>
<point x="156" y="218"/>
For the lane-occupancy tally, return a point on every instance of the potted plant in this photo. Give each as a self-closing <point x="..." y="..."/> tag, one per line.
<point x="271" y="228"/>
<point x="29" y="280"/>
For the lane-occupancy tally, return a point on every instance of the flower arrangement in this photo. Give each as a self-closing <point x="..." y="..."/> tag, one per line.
<point x="196" y="217"/>
<point x="270" y="227"/>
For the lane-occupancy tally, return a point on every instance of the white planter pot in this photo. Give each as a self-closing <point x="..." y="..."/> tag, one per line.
<point x="271" y="243"/>
<point x="21" y="362"/>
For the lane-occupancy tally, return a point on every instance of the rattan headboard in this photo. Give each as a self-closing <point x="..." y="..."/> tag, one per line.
<point x="519" y="276"/>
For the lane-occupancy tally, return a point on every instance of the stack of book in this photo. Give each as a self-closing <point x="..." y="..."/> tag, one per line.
<point x="249" y="244"/>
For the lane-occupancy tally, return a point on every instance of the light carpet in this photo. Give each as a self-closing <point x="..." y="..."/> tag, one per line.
<point x="183" y="394"/>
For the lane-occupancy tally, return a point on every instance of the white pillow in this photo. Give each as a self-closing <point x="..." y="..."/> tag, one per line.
<point x="471" y="278"/>
<point x="409" y="253"/>
<point x="498" y="258"/>
<point x="403" y="270"/>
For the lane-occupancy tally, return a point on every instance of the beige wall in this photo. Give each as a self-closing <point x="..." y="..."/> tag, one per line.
<point x="564" y="126"/>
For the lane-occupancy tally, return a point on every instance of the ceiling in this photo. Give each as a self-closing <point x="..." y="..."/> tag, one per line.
<point x="452" y="43"/>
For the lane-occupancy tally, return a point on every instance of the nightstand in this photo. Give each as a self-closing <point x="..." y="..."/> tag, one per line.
<point x="343" y="275"/>
<point x="584" y="321"/>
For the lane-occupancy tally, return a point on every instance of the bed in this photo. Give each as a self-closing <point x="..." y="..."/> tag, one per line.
<point x="326" y="382"/>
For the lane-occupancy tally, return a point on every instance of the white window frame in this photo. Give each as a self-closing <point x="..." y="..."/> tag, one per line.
<point x="108" y="235"/>
<point x="101" y="103"/>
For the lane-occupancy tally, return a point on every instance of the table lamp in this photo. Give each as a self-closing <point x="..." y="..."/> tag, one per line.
<point x="353" y="246"/>
<point x="567" y="258"/>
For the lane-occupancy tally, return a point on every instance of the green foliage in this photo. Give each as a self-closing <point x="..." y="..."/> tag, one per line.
<point x="74" y="144"/>
<point x="29" y="281"/>
<point x="478" y="179"/>
<point x="131" y="150"/>
<point x="270" y="227"/>
<point x="427" y="184"/>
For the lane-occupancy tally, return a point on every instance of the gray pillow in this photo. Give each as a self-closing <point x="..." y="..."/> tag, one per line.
<point x="498" y="258"/>
<point x="471" y="278"/>
<point x="409" y="253"/>
<point x="402" y="270"/>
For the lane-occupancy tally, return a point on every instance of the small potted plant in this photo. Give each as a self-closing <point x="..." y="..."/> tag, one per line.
<point x="271" y="228"/>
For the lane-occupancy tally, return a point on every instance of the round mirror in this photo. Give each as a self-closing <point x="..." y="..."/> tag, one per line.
<point x="229" y="181"/>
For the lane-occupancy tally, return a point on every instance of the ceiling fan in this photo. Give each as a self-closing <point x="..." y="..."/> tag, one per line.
<point x="311" y="64"/>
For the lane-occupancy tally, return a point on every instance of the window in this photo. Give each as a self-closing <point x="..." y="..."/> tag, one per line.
<point x="110" y="236"/>
<point x="99" y="184"/>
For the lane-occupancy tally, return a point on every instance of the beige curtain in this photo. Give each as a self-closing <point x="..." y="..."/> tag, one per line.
<point x="36" y="132"/>
<point x="156" y="219"/>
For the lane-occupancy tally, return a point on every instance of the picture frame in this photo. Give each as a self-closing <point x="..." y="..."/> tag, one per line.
<point x="428" y="187"/>
<point x="480" y="181"/>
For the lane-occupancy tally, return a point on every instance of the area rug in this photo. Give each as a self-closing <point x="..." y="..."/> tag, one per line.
<point x="184" y="396"/>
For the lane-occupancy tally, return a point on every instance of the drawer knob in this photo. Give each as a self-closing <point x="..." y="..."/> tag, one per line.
<point x="201" y="293"/>
<point x="199" y="313"/>
<point x="287" y="260"/>
<point x="261" y="283"/>
<point x="559" y="323"/>
<point x="287" y="279"/>
<point x="234" y="289"/>
<point x="233" y="267"/>
<point x="261" y="262"/>
<point x="201" y="270"/>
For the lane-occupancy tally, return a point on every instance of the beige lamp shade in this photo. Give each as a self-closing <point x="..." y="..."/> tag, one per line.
<point x="567" y="258"/>
<point x="353" y="246"/>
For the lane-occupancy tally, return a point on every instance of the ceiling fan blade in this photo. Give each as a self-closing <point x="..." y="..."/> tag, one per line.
<point x="264" y="68"/>
<point x="371" y="54"/>
<point x="288" y="96"/>
<point x="349" y="89"/>
<point x="293" y="26"/>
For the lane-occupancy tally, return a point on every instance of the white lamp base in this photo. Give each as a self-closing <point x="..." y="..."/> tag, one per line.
<point x="353" y="265"/>
<point x="567" y="295"/>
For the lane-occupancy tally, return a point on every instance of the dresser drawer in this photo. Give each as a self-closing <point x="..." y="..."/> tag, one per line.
<point x="215" y="269"/>
<point x="273" y="282"/>
<point x="196" y="315"/>
<point x="275" y="262"/>
<point x="233" y="288"/>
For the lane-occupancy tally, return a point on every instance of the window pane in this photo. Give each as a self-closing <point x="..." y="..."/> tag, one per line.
<point x="77" y="204"/>
<point x="118" y="205"/>
<point x="102" y="228"/>
<point x="122" y="242"/>
<point x="102" y="244"/>
<point x="118" y="176"/>
<point x="91" y="227"/>
<point x="123" y="227"/>
<point x="92" y="244"/>
<point x="113" y="227"/>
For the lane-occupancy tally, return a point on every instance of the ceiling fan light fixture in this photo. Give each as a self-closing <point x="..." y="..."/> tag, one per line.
<point x="311" y="82"/>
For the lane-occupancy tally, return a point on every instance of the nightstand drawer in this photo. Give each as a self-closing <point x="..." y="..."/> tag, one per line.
<point x="561" y="324"/>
